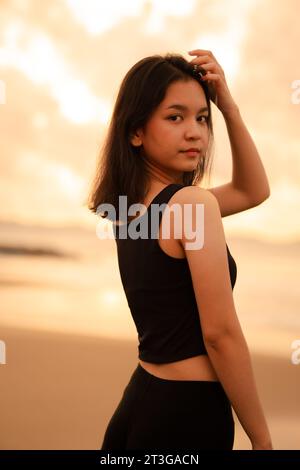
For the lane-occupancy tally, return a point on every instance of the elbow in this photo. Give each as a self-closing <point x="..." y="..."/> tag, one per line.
<point x="267" y="193"/>
<point x="213" y="340"/>
<point x="221" y="337"/>
<point x="261" y="198"/>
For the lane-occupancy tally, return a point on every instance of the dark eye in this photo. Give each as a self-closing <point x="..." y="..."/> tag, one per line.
<point x="178" y="115"/>
<point x="205" y="118"/>
<point x="174" y="116"/>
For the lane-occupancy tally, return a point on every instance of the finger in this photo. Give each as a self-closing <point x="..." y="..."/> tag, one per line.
<point x="211" y="76"/>
<point x="200" y="51"/>
<point x="210" y="66"/>
<point x="201" y="59"/>
<point x="205" y="61"/>
<point x="213" y="68"/>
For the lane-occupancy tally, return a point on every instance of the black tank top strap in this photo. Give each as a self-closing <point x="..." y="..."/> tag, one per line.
<point x="161" y="200"/>
<point x="163" y="197"/>
<point x="165" y="194"/>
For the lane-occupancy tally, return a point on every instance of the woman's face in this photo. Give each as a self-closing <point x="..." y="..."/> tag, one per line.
<point x="171" y="130"/>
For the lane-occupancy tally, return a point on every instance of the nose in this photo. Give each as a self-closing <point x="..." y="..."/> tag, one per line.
<point x="194" y="129"/>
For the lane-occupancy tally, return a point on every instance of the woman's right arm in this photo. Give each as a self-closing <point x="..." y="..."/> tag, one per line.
<point x="232" y="363"/>
<point x="222" y="333"/>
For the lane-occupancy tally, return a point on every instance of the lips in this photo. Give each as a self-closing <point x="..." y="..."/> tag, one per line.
<point x="192" y="150"/>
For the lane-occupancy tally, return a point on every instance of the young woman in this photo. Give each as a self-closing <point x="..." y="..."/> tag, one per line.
<point x="194" y="364"/>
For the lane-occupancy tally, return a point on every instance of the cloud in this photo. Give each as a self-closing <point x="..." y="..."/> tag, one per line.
<point x="62" y="68"/>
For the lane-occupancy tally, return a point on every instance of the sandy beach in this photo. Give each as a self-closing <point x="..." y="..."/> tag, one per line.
<point x="58" y="391"/>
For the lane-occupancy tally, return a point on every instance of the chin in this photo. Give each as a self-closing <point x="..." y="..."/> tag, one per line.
<point x="191" y="166"/>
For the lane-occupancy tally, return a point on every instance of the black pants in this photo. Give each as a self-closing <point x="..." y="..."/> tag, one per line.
<point x="163" y="414"/>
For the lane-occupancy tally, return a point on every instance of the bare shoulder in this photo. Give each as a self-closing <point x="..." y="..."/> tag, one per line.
<point x="195" y="194"/>
<point x="189" y="198"/>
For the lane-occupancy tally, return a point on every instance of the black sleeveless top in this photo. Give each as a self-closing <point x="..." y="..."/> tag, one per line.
<point x="160" y="292"/>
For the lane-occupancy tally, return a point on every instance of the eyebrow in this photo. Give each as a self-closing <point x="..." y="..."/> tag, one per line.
<point x="184" y="108"/>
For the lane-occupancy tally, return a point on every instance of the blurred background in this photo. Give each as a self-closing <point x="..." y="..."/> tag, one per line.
<point x="70" y="341"/>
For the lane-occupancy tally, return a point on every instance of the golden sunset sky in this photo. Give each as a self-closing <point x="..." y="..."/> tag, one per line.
<point x="61" y="64"/>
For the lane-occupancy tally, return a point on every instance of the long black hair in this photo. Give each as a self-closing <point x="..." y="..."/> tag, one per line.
<point x="121" y="170"/>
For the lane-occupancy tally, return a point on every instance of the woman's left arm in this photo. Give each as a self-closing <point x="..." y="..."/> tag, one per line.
<point x="248" y="173"/>
<point x="249" y="185"/>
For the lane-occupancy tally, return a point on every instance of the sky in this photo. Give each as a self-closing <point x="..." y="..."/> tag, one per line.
<point x="61" y="64"/>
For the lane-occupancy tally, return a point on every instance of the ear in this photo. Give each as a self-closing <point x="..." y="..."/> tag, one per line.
<point x="135" y="138"/>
